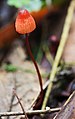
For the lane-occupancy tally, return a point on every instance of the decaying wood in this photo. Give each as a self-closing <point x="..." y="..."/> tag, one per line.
<point x="68" y="110"/>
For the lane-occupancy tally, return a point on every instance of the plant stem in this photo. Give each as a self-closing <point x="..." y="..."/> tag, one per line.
<point x="35" y="64"/>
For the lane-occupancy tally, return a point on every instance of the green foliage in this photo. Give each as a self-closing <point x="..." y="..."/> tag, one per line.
<point x="27" y="4"/>
<point x="18" y="3"/>
<point x="33" y="5"/>
<point x="58" y="2"/>
<point x="10" y="68"/>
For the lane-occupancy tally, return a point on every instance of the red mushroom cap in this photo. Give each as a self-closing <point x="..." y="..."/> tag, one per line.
<point x="25" y="23"/>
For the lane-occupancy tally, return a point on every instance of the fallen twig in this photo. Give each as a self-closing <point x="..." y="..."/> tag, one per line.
<point x="31" y="112"/>
<point x="26" y="117"/>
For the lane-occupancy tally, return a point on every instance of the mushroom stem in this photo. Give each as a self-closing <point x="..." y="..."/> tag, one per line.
<point x="36" y="66"/>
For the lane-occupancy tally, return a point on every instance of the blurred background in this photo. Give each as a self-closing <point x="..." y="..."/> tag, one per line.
<point x="16" y="68"/>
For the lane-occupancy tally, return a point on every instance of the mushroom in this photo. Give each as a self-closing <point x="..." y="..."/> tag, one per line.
<point x="25" y="24"/>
